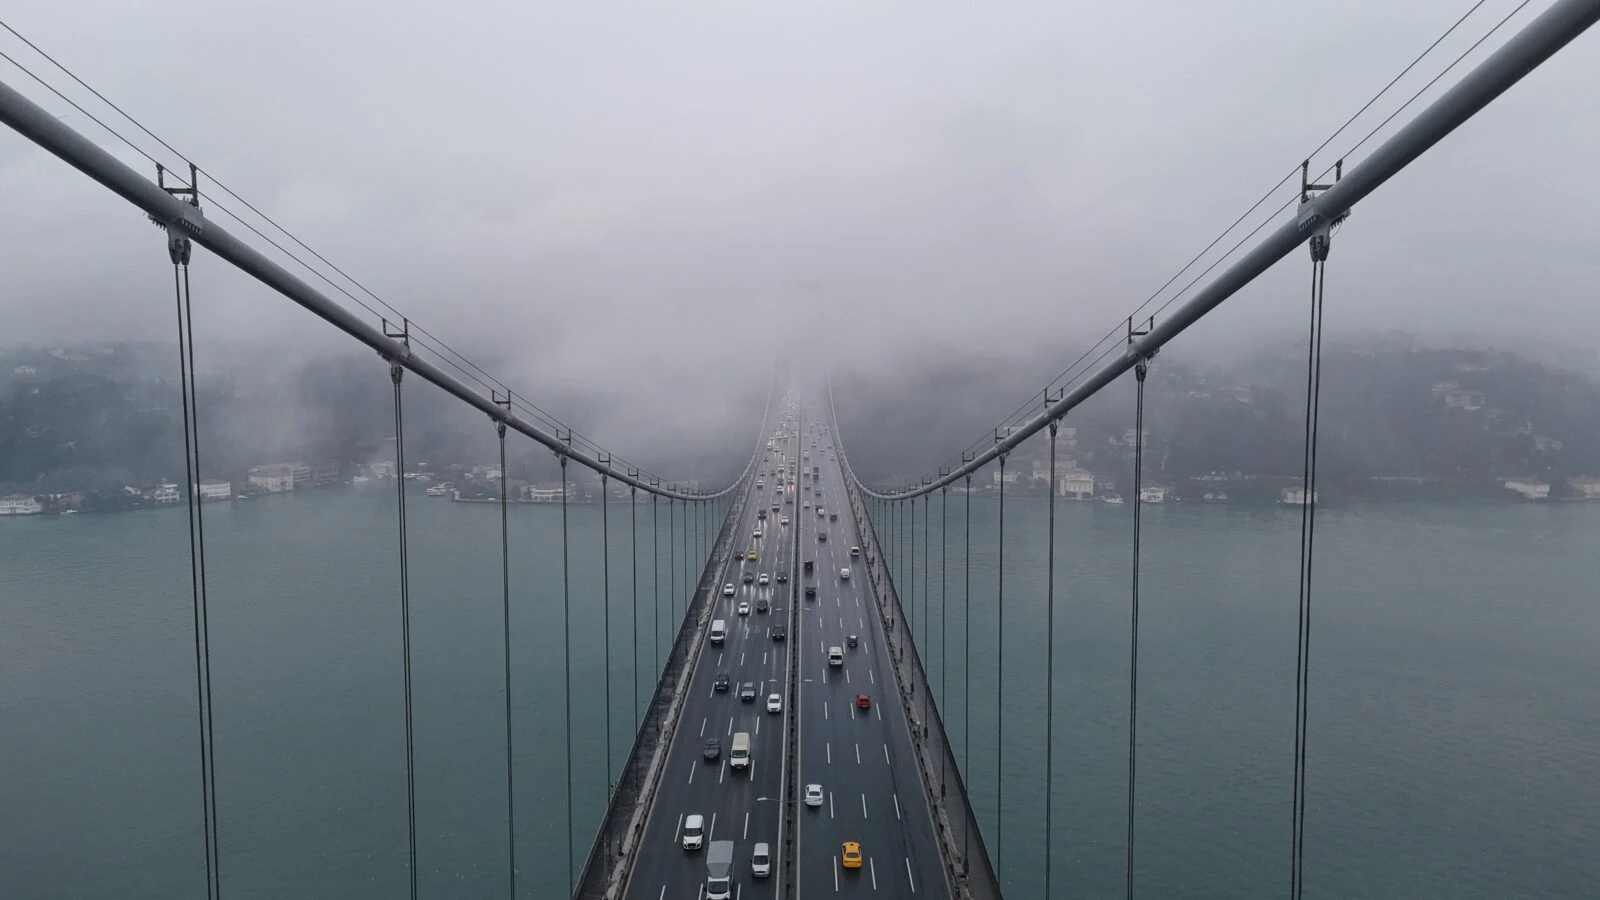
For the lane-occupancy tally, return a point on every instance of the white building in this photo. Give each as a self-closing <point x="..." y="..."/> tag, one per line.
<point x="550" y="492"/>
<point x="214" y="490"/>
<point x="165" y="494"/>
<point x="1295" y="496"/>
<point x="1529" y="488"/>
<point x="20" y="505"/>
<point x="1076" y="483"/>
<point x="1010" y="476"/>
<point x="1585" y="486"/>
<point x="1153" y="494"/>
<point x="1467" y="400"/>
<point x="1133" y="438"/>
<point x="25" y="370"/>
<point x="273" y="479"/>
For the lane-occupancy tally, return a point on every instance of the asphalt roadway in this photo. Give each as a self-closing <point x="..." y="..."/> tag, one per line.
<point x="862" y="758"/>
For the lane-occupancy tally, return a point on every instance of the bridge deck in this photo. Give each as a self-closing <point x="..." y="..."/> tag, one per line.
<point x="862" y="758"/>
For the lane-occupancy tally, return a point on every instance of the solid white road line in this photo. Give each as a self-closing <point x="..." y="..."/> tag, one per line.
<point x="829" y="747"/>
<point x="886" y="755"/>
<point x="746" y="826"/>
<point x="677" y="828"/>
<point x="836" y="874"/>
<point x="872" y="868"/>
<point x="722" y="772"/>
<point x="703" y="725"/>
<point x="910" y="876"/>
<point x="896" y="805"/>
<point x="824" y="711"/>
<point x="830" y="805"/>
<point x="692" y="767"/>
<point x="713" y="830"/>
<point x="846" y="676"/>
<point x="858" y="754"/>
<point x="730" y="725"/>
<point x="863" y="806"/>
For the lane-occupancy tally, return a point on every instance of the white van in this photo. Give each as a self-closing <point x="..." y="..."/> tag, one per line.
<point x="835" y="656"/>
<point x="845" y="573"/>
<point x="694" y="831"/>
<point x="761" y="861"/>
<point x="719" y="630"/>
<point x="740" y="757"/>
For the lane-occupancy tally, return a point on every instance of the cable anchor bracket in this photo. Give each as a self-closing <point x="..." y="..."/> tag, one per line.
<point x="186" y="220"/>
<point x="1311" y="217"/>
<point x="1141" y="365"/>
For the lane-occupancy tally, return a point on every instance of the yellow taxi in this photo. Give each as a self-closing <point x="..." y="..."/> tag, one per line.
<point x="751" y="556"/>
<point x="850" y="855"/>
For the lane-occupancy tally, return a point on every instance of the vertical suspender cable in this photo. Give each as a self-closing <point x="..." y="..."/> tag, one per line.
<point x="1000" y="687"/>
<point x="966" y="672"/>
<point x="566" y="655"/>
<point x="944" y="607"/>
<point x="672" y="574"/>
<point x="1308" y="524"/>
<point x="1133" y="650"/>
<point x="911" y="583"/>
<point x="655" y="578"/>
<point x="395" y="373"/>
<point x="633" y="503"/>
<point x="1050" y="667"/>
<point x="927" y="648"/>
<point x="605" y="592"/>
<point x="179" y="249"/>
<point x="505" y="624"/>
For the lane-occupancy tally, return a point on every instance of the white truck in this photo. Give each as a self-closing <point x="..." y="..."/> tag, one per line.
<point x="719" y="870"/>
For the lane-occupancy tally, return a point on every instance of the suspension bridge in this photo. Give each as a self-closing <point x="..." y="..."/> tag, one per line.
<point x="793" y="718"/>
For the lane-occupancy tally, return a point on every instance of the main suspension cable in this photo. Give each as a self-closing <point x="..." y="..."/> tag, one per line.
<point x="179" y="249"/>
<point x="396" y="371"/>
<point x="1140" y="370"/>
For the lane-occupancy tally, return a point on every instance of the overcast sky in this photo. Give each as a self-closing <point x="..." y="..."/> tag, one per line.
<point x="634" y="193"/>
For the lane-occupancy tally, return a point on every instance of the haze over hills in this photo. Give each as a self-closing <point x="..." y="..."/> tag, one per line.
<point x="1399" y="418"/>
<point x="99" y="417"/>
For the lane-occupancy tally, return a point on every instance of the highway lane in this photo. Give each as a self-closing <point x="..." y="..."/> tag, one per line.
<point x="862" y="758"/>
<point x="738" y="805"/>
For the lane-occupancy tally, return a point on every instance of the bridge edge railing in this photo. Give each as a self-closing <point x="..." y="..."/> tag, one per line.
<point x="609" y="862"/>
<point x="969" y="875"/>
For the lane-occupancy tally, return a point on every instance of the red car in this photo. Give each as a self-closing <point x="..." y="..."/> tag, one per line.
<point x="863" y="701"/>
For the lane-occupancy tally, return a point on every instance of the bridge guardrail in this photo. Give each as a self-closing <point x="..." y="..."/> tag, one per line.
<point x="610" y="859"/>
<point x="968" y="871"/>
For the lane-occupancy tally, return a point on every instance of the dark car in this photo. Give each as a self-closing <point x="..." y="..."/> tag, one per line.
<point x="783" y="576"/>
<point x="833" y="517"/>
<point x="779" y="632"/>
<point x="713" y="750"/>
<point x="811" y="592"/>
<point x="747" y="691"/>
<point x="721" y="684"/>
<point x="863" y="701"/>
<point x="809" y="565"/>
<point x="749" y="577"/>
<point x="822" y="536"/>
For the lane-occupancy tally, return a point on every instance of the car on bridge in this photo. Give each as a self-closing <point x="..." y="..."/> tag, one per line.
<point x="844" y="573"/>
<point x="749" y="578"/>
<point x="811" y="592"/>
<point x="747" y="691"/>
<point x="855" y="552"/>
<point x="762" y="579"/>
<point x="751" y="556"/>
<point x="850" y="855"/>
<point x="774" y="703"/>
<point x="713" y="750"/>
<point x="744" y="607"/>
<point x="721" y="684"/>
<point x="727" y="589"/>
<point x="694" y="831"/>
<point x="779" y="632"/>
<point x="863" y="701"/>
<point x="783" y="575"/>
<point x="813" y="795"/>
<point x="775" y="509"/>
<point x="782" y="520"/>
